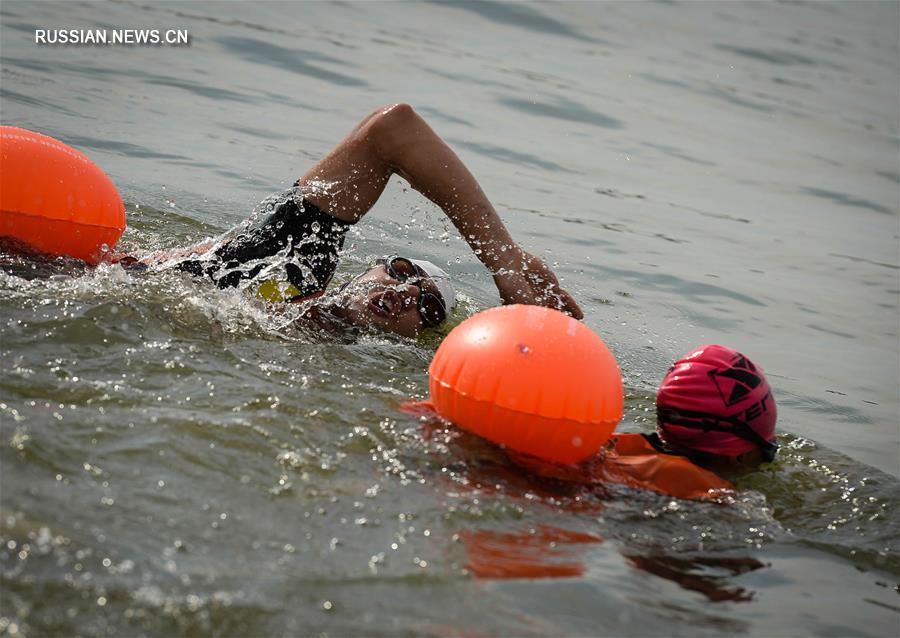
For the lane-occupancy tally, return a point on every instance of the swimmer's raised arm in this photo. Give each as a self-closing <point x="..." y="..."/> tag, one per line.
<point x="396" y="140"/>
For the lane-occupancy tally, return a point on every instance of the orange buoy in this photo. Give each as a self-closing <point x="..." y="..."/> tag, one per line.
<point x="530" y="378"/>
<point x="55" y="199"/>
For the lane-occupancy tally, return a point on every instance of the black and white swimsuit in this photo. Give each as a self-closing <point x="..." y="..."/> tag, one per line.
<point x="286" y="239"/>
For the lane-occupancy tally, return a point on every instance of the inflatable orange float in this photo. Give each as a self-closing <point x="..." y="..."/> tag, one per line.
<point x="55" y="199"/>
<point x="532" y="379"/>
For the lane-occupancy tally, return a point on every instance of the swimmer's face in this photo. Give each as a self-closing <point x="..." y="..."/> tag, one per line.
<point x="378" y="299"/>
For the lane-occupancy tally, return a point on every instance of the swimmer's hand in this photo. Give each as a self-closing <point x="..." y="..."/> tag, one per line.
<point x="525" y="279"/>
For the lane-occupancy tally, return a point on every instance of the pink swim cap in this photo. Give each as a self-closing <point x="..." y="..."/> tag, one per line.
<point x="715" y="400"/>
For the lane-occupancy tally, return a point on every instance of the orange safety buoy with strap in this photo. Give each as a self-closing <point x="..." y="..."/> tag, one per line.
<point x="55" y="199"/>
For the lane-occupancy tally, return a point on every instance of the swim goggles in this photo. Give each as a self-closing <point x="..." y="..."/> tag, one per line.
<point x="714" y="423"/>
<point x="430" y="304"/>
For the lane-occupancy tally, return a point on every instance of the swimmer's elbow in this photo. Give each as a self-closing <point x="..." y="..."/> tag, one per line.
<point x="392" y="121"/>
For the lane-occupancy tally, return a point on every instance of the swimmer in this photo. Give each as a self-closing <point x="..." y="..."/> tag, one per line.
<point x="290" y="245"/>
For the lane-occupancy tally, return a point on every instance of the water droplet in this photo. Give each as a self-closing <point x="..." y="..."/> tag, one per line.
<point x="315" y="227"/>
<point x="104" y="248"/>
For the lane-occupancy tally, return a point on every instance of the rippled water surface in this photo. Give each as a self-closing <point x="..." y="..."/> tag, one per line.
<point x="173" y="462"/>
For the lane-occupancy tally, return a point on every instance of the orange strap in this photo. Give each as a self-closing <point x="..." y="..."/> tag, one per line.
<point x="633" y="461"/>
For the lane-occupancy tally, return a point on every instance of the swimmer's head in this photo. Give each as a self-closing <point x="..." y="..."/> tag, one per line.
<point x="716" y="404"/>
<point x="399" y="295"/>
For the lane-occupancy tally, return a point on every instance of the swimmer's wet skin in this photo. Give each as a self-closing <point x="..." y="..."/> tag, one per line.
<point x="436" y="294"/>
<point x="289" y="249"/>
<point x="399" y="295"/>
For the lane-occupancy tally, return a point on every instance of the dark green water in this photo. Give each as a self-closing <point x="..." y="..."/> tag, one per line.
<point x="174" y="462"/>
